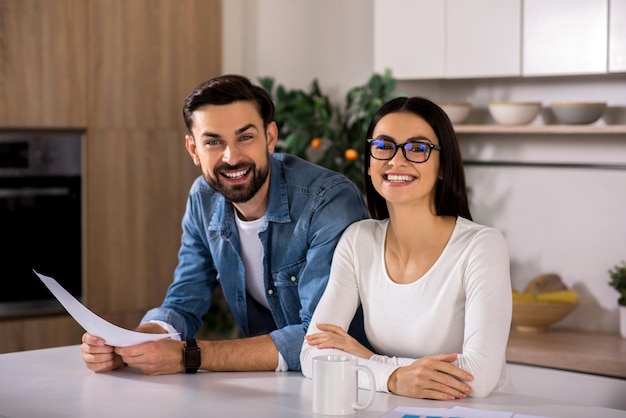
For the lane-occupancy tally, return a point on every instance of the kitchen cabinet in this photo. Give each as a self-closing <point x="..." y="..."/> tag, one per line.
<point x="43" y="78"/>
<point x="447" y="39"/>
<point x="144" y="57"/>
<point x="617" y="36"/>
<point x="38" y="332"/>
<point x="409" y="38"/>
<point x="452" y="39"/>
<point x="483" y="38"/>
<point x="566" y="386"/>
<point x="569" y="365"/>
<point x="565" y="37"/>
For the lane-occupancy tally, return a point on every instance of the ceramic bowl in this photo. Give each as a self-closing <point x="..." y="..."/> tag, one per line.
<point x="457" y="112"/>
<point x="533" y="316"/>
<point x="577" y="113"/>
<point x="514" y="113"/>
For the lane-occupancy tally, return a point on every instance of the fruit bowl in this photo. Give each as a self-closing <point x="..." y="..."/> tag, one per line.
<point x="538" y="316"/>
<point x="457" y="112"/>
<point x="578" y="113"/>
<point x="514" y="113"/>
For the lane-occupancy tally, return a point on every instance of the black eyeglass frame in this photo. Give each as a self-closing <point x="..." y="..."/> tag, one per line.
<point x="430" y="146"/>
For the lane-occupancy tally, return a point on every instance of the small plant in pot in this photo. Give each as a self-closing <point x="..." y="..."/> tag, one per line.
<point x="618" y="282"/>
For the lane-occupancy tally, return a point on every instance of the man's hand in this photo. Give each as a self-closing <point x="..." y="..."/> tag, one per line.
<point x="98" y="356"/>
<point x="335" y="337"/>
<point x="154" y="357"/>
<point x="431" y="377"/>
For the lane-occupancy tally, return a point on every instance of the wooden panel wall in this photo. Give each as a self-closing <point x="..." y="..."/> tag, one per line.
<point x="132" y="64"/>
<point x="43" y="76"/>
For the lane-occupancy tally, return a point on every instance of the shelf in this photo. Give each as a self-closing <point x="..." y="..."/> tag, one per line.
<point x="541" y="129"/>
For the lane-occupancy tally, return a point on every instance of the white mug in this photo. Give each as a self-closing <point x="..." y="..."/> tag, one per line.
<point x="335" y="385"/>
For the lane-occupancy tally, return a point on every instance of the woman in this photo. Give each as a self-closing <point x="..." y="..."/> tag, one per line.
<point x="435" y="287"/>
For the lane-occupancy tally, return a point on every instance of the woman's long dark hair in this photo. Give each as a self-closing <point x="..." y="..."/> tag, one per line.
<point x="451" y="193"/>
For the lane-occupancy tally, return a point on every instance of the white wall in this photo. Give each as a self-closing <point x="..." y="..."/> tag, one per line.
<point x="297" y="41"/>
<point x="568" y="221"/>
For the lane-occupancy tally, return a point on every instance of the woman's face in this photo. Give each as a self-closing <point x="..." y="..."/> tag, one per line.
<point x="399" y="180"/>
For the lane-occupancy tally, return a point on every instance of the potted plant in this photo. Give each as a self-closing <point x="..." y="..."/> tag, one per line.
<point x="311" y="126"/>
<point x="618" y="282"/>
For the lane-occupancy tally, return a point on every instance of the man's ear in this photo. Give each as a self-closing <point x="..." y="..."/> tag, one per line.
<point x="272" y="136"/>
<point x="190" y="144"/>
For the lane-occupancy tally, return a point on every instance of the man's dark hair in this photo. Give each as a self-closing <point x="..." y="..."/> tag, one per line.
<point x="227" y="89"/>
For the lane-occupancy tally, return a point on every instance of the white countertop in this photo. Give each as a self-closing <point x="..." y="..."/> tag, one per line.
<point x="55" y="383"/>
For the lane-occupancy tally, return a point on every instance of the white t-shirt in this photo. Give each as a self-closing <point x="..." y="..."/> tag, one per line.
<point x="461" y="305"/>
<point x="252" y="255"/>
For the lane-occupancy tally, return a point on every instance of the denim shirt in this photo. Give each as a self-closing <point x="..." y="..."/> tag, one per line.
<point x="308" y="208"/>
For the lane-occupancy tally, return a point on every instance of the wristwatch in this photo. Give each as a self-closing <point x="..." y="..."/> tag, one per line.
<point x="191" y="356"/>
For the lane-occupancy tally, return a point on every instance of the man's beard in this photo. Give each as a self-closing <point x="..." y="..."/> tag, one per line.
<point x="239" y="193"/>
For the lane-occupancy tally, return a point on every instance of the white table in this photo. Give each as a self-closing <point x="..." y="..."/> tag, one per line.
<point x="55" y="383"/>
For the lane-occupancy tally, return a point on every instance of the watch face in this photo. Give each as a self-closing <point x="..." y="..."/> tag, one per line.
<point x="191" y="357"/>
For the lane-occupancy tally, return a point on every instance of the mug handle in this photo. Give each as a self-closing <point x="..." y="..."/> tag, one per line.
<point x="372" y="390"/>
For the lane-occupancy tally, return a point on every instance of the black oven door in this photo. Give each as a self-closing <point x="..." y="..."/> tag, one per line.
<point x="40" y="220"/>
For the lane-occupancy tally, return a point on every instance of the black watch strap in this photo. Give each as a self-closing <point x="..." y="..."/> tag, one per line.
<point x="191" y="356"/>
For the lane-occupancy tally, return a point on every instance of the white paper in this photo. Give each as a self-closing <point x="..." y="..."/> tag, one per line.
<point x="456" y="412"/>
<point x="95" y="325"/>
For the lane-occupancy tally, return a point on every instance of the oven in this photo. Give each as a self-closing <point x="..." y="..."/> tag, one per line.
<point x="40" y="219"/>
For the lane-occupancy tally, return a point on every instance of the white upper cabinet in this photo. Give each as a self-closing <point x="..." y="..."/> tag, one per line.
<point x="483" y="38"/>
<point x="420" y="39"/>
<point x="409" y="38"/>
<point x="565" y="37"/>
<point x="617" y="36"/>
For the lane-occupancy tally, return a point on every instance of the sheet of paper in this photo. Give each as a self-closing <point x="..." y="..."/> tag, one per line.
<point x="456" y="412"/>
<point x="92" y="323"/>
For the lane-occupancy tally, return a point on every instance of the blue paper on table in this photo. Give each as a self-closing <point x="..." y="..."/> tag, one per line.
<point x="95" y="325"/>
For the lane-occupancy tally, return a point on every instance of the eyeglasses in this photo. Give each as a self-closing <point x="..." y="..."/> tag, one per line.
<point x="414" y="151"/>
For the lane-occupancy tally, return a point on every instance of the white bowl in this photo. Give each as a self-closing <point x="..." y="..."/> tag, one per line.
<point x="578" y="113"/>
<point x="457" y="112"/>
<point x="514" y="113"/>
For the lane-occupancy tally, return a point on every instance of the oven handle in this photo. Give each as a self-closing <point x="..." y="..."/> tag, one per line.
<point x="34" y="192"/>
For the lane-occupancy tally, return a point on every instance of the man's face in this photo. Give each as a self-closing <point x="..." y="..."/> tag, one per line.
<point x="232" y="148"/>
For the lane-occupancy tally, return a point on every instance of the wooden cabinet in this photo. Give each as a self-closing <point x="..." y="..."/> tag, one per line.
<point x="130" y="65"/>
<point x="447" y="39"/>
<point x="141" y="67"/>
<point x="617" y="36"/>
<point x="38" y="332"/>
<point x="43" y="77"/>
<point x="565" y="37"/>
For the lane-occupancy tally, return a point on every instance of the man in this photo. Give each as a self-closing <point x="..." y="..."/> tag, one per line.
<point x="263" y="226"/>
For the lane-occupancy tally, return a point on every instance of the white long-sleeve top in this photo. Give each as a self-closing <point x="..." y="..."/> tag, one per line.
<point x="461" y="305"/>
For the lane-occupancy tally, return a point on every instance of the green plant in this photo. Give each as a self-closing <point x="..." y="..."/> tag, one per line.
<point x="618" y="281"/>
<point x="311" y="126"/>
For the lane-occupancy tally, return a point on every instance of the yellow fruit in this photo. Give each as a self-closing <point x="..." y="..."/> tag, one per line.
<point x="564" y="296"/>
